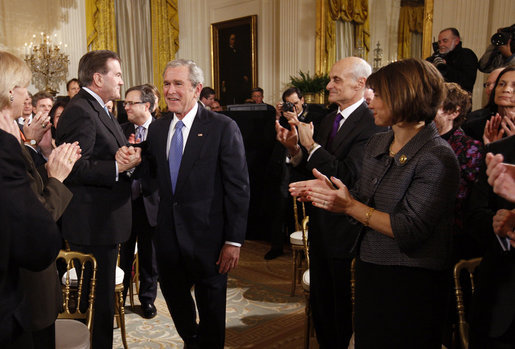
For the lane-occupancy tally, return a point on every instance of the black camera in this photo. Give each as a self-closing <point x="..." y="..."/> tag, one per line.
<point x="503" y="36"/>
<point x="288" y="106"/>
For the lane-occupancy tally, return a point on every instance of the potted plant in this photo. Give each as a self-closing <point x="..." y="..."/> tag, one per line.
<point x="313" y="87"/>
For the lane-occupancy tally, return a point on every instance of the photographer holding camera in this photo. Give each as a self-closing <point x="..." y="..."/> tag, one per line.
<point x="457" y="64"/>
<point x="501" y="52"/>
<point x="279" y="172"/>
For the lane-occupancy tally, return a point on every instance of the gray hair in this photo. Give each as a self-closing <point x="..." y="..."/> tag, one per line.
<point x="196" y="76"/>
<point x="360" y="69"/>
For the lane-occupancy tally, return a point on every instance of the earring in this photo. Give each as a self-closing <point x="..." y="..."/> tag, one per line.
<point x="11" y="98"/>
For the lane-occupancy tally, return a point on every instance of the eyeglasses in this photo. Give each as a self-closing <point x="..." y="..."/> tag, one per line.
<point x="131" y="103"/>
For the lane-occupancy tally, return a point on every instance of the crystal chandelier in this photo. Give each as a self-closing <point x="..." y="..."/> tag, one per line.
<point x="49" y="65"/>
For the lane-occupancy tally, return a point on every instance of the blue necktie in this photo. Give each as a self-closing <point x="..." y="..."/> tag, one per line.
<point x="107" y="111"/>
<point x="140" y="133"/>
<point x="175" y="155"/>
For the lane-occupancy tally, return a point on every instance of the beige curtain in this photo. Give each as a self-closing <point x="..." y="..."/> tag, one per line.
<point x="329" y="11"/>
<point x="134" y="41"/>
<point x="100" y="25"/>
<point x="344" y="39"/>
<point x="165" y="37"/>
<point x="410" y="20"/>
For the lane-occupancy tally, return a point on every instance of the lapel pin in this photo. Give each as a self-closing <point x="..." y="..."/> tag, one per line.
<point x="200" y="134"/>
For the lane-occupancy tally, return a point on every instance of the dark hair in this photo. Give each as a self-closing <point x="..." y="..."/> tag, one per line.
<point x="491" y="101"/>
<point x="291" y="91"/>
<point x="146" y="94"/>
<point x="412" y="89"/>
<point x="154" y="89"/>
<point x="453" y="30"/>
<point x="94" y="62"/>
<point x="41" y="95"/>
<point x="70" y="82"/>
<point x="206" y="92"/>
<point x="456" y="99"/>
<point x="59" y="103"/>
<point x="257" y="89"/>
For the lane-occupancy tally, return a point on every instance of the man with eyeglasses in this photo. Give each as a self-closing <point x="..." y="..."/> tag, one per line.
<point x="139" y="103"/>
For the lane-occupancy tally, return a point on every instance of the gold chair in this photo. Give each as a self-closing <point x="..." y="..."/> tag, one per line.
<point x="308" y="328"/>
<point x="71" y="333"/>
<point x="134" y="277"/>
<point x="297" y="246"/>
<point x="119" y="308"/>
<point x="469" y="265"/>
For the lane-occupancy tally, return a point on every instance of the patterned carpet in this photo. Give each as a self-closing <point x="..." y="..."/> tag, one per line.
<point x="260" y="311"/>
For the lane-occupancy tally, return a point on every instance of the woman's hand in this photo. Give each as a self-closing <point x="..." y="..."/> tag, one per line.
<point x="493" y="130"/>
<point x="62" y="159"/>
<point x="37" y="128"/>
<point x="508" y="126"/>
<point x="323" y="194"/>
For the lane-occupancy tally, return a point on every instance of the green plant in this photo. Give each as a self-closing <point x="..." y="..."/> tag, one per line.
<point x="310" y="84"/>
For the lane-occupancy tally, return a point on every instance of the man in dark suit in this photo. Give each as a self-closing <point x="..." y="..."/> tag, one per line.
<point x="337" y="150"/>
<point x="279" y="174"/>
<point x="492" y="319"/>
<point x="204" y="190"/>
<point x="99" y="216"/>
<point x="139" y="103"/>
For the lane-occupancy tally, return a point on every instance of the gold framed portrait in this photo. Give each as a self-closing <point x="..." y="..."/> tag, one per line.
<point x="234" y="59"/>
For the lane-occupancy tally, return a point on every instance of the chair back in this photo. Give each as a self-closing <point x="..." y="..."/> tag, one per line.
<point x="74" y="286"/>
<point x="470" y="266"/>
<point x="298" y="222"/>
<point x="305" y="222"/>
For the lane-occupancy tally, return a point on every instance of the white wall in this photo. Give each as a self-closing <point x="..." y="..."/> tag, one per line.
<point x="285" y="36"/>
<point x="476" y="21"/>
<point x="66" y="19"/>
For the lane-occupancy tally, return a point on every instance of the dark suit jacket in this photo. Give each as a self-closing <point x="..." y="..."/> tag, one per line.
<point x="29" y="236"/>
<point x="494" y="301"/>
<point x="148" y="183"/>
<point x="211" y="200"/>
<point x="332" y="233"/>
<point x="100" y="211"/>
<point x="43" y="287"/>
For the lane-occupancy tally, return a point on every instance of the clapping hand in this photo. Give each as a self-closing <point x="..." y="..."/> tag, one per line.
<point x="61" y="160"/>
<point x="127" y="158"/>
<point x="38" y="126"/>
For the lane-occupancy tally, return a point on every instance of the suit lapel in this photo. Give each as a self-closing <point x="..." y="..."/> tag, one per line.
<point x="347" y="128"/>
<point x="196" y="137"/>
<point x="159" y="148"/>
<point x="110" y="123"/>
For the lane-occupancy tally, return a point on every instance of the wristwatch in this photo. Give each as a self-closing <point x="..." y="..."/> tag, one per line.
<point x="31" y="142"/>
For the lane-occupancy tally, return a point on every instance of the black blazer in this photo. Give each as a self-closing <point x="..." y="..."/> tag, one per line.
<point x="148" y="183"/>
<point x="100" y="211"/>
<point x="332" y="233"/>
<point x="494" y="304"/>
<point x="29" y="237"/>
<point x="43" y="288"/>
<point x="211" y="201"/>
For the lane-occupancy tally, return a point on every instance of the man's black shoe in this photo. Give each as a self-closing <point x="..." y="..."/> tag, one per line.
<point x="273" y="253"/>
<point x="149" y="310"/>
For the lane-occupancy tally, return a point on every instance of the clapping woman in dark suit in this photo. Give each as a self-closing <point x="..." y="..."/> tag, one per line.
<point x="404" y="201"/>
<point x="42" y="291"/>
